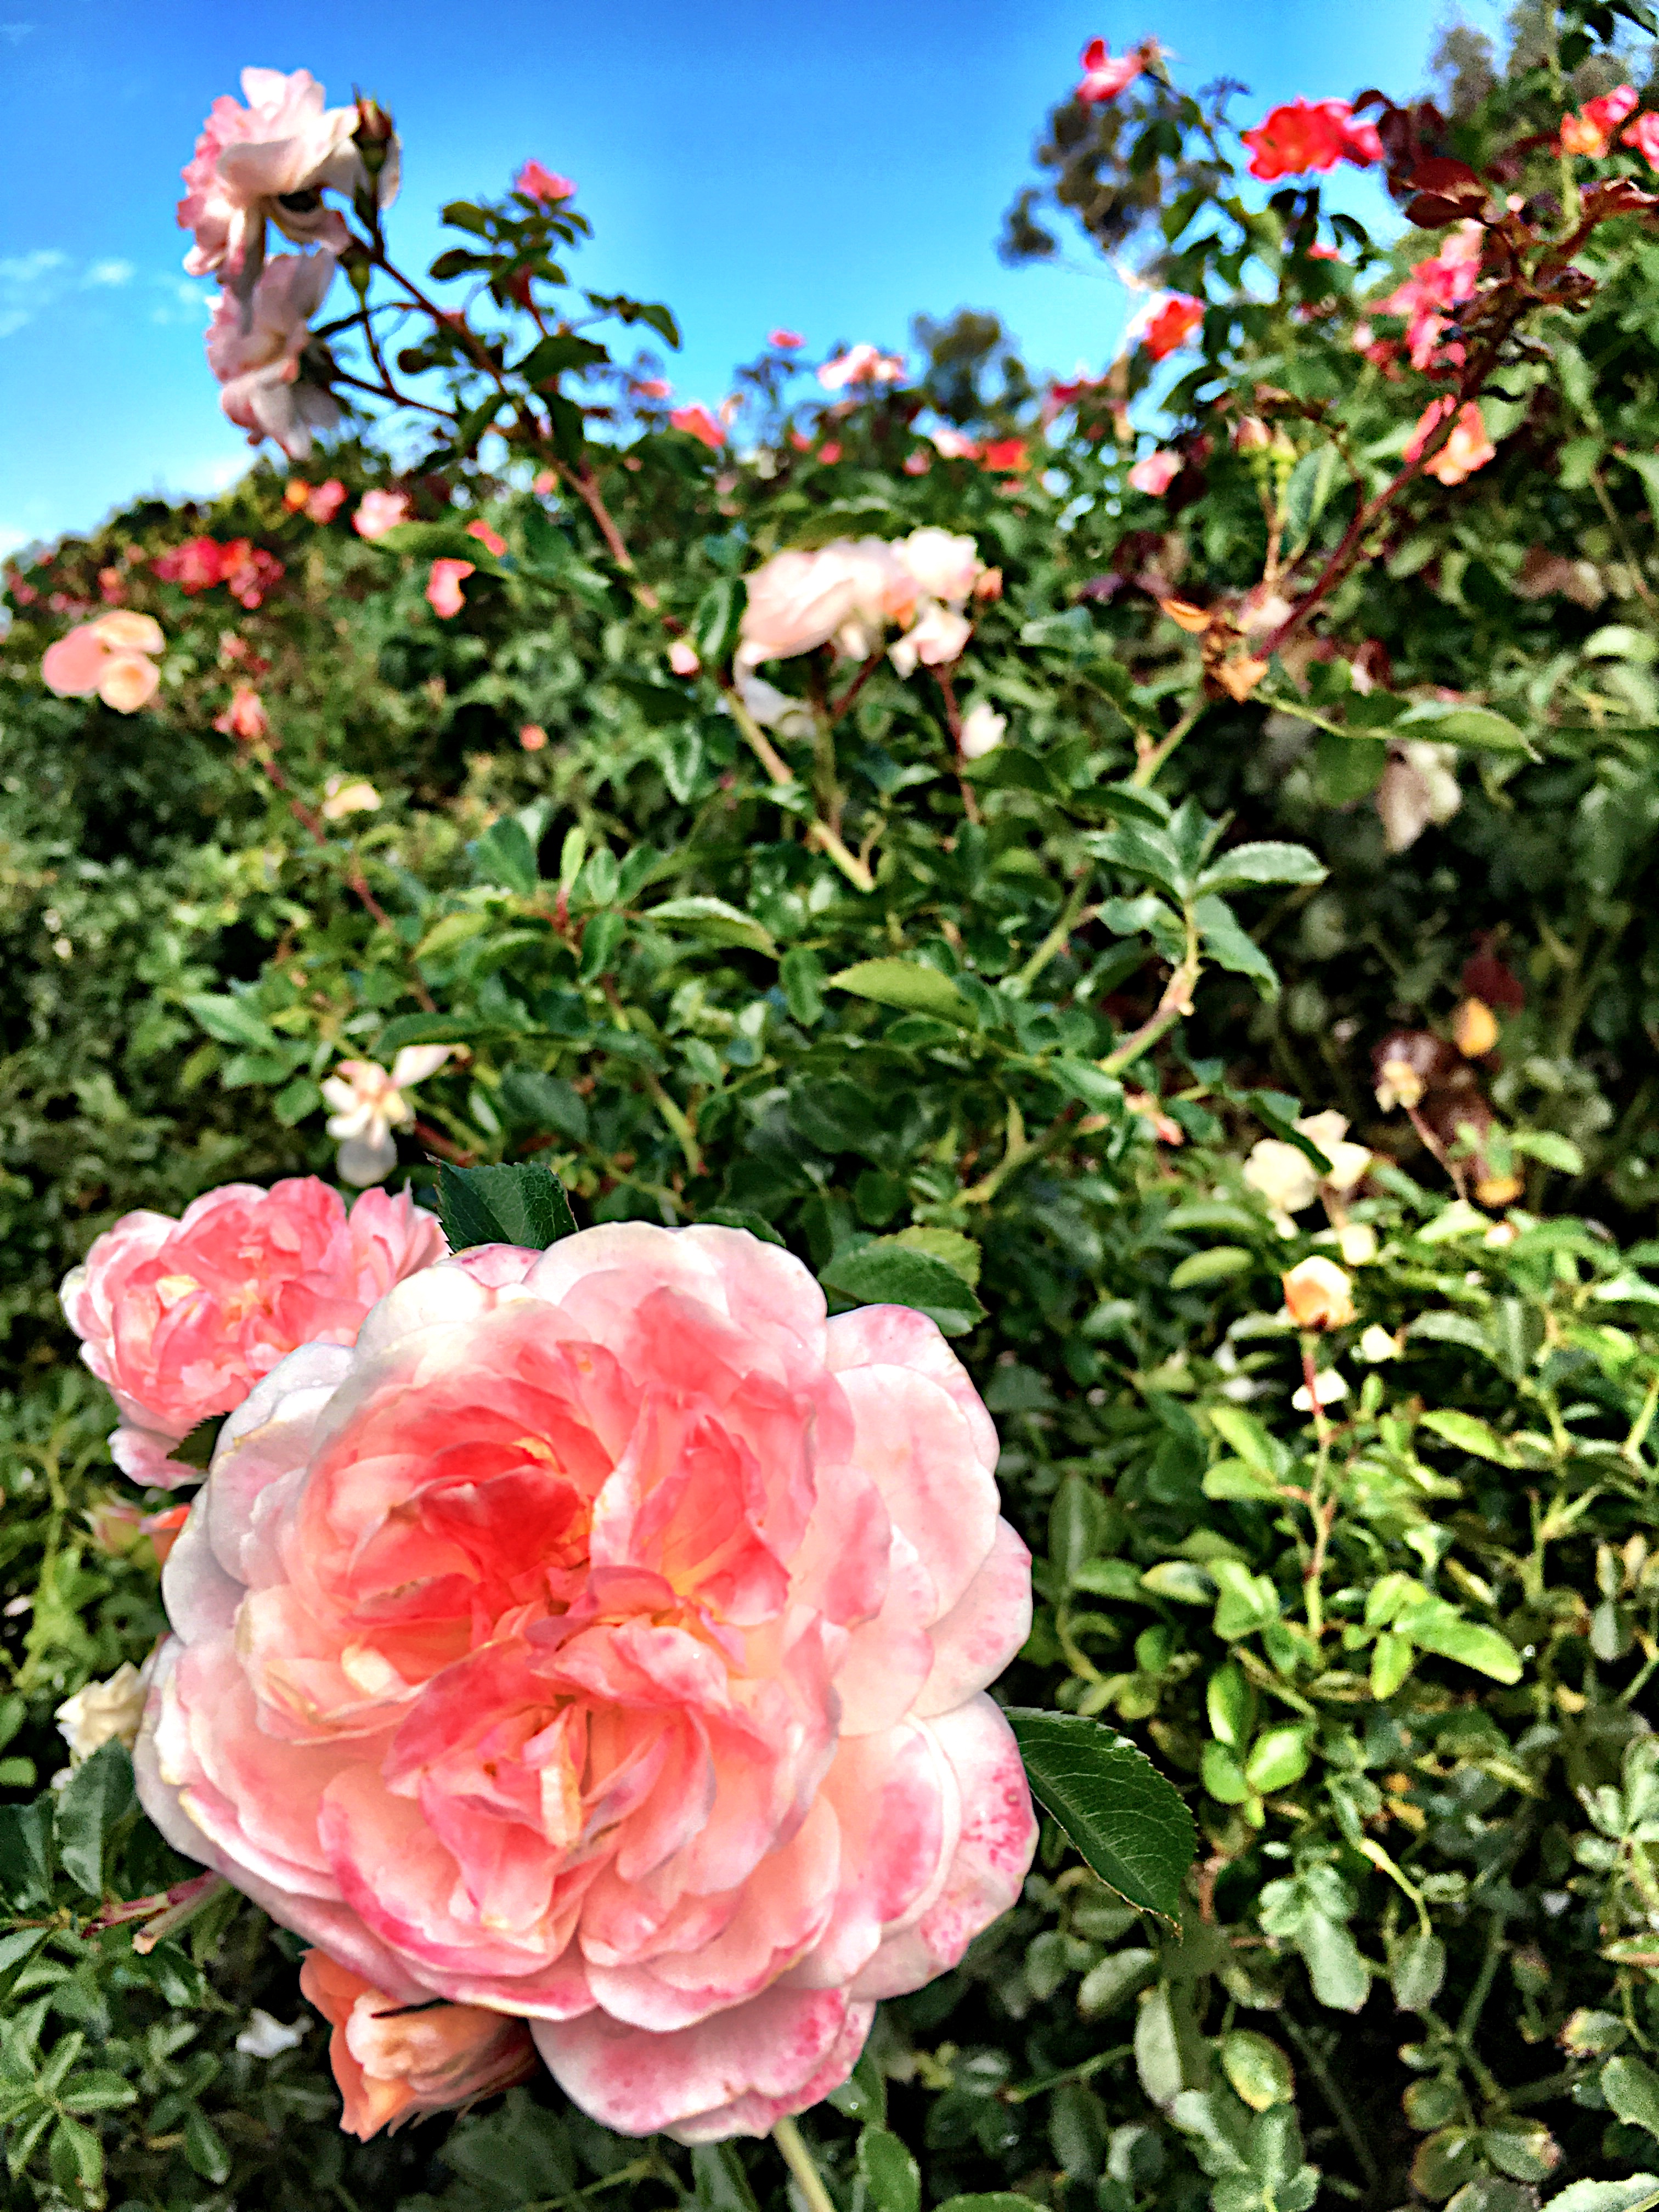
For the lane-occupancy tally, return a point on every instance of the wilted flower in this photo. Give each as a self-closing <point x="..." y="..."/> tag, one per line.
<point x="982" y="730"/>
<point x="254" y="348"/>
<point x="341" y="798"/>
<point x="378" y="512"/>
<point x="245" y="717"/>
<point x="369" y="1103"/>
<point x="1469" y="447"/>
<point x="1104" y="78"/>
<point x="1419" y="786"/>
<point x="1306" y="134"/>
<point x="536" y="183"/>
<point x="1319" y="1295"/>
<point x="861" y="364"/>
<point x="1474" y="1028"/>
<point x="1156" y="473"/>
<point x="103" y="1712"/>
<point x="1171" y="324"/>
<point x="110" y="655"/>
<point x="443" y="586"/>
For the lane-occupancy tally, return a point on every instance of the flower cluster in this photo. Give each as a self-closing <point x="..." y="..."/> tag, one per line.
<point x="849" y="591"/>
<point x="272" y="162"/>
<point x="246" y="571"/>
<point x="602" y="1643"/>
<point x="1434" y="288"/>
<point x="113" y="654"/>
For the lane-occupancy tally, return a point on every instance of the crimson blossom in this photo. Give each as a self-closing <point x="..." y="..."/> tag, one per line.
<point x="604" y="1641"/>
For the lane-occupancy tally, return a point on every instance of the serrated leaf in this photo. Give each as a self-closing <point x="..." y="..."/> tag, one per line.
<point x="910" y="985"/>
<point x="1631" y="2089"/>
<point x="1640" y="2193"/>
<point x="717" y="923"/>
<point x="1434" y="1625"/>
<point x="1468" y="1431"/>
<point x="1227" y="942"/>
<point x="888" y="1272"/>
<point x="1476" y="728"/>
<point x="227" y="1021"/>
<point x="525" y="1205"/>
<point x="505" y="855"/>
<point x="1129" y="1823"/>
<point x="96" y="1796"/>
<point x="1266" y="862"/>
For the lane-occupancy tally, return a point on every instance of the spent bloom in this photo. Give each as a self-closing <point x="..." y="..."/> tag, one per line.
<point x="1104" y="78"/>
<point x="112" y="655"/>
<point x="103" y="1712"/>
<point x="1419" y="787"/>
<point x="1171" y="324"/>
<point x="1319" y="1295"/>
<point x="861" y="364"/>
<point x="378" y="512"/>
<point x="255" y="349"/>
<point x="1446" y="280"/>
<point x="1469" y="447"/>
<point x="369" y="1103"/>
<point x="1288" y="1180"/>
<point x="604" y="1641"/>
<point x="536" y="183"/>
<point x="1156" y="473"/>
<point x="1591" y="132"/>
<point x="443" y="586"/>
<point x="1306" y="134"/>
<point x="245" y="717"/>
<point x="394" y="2064"/>
<point x="181" y="1318"/>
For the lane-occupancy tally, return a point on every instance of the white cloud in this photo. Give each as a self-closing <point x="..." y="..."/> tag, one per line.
<point x="109" y="273"/>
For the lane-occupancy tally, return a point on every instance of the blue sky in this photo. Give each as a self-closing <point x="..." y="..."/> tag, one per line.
<point x="831" y="164"/>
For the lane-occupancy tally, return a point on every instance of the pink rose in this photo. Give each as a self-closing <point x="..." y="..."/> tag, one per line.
<point x="180" y="1319"/>
<point x="697" y="422"/>
<point x="245" y="717"/>
<point x="1104" y="78"/>
<point x="861" y="364"/>
<point x="443" y="586"/>
<point x="944" y="567"/>
<point x="378" y="511"/>
<point x="1155" y="474"/>
<point x="271" y="162"/>
<point x="110" y="655"/>
<point x="936" y="638"/>
<point x="254" y="348"/>
<point x="394" y="2065"/>
<point x="797" y="600"/>
<point x="536" y="183"/>
<point x="604" y="1641"/>
<point x="323" y="504"/>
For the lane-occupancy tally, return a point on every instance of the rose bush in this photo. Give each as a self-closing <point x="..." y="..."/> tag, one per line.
<point x="981" y="981"/>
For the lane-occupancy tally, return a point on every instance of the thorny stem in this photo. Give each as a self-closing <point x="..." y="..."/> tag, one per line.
<point x="802" y="2164"/>
<point x="1174" y="1006"/>
<point x="953" y="723"/>
<point x="1071" y="917"/>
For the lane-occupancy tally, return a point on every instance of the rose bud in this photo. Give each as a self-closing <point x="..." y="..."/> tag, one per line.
<point x="1319" y="1295"/>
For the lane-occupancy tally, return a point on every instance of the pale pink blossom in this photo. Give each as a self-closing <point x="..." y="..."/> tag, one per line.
<point x="181" y="1318"/>
<point x="536" y="183"/>
<point x="1104" y="78"/>
<point x="861" y="364"/>
<point x="797" y="600"/>
<point x="953" y="444"/>
<point x="111" y="655"/>
<point x="271" y="162"/>
<point x="1156" y="473"/>
<point x="254" y="347"/>
<point x="392" y="2064"/>
<point x="378" y="512"/>
<point x="369" y="1103"/>
<point x="443" y="586"/>
<point x="604" y="1641"/>
<point x="943" y="565"/>
<point x="1644" y="136"/>
<point x="935" y="638"/>
<point x="682" y="658"/>
<point x="1446" y="280"/>
<point x="982" y="731"/>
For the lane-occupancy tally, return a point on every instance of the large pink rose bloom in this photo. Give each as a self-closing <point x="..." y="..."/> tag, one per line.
<point x="603" y="1640"/>
<point x="271" y="161"/>
<point x="182" y="1318"/>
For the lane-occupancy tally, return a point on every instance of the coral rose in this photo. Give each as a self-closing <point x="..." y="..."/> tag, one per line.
<point x="443" y="586"/>
<point x="1319" y="1295"/>
<point x="536" y="183"/>
<point x="1104" y="78"/>
<point x="1155" y="474"/>
<point x="180" y="1319"/>
<point x="1172" y="325"/>
<point x="110" y="655"/>
<point x="392" y="2064"/>
<point x="603" y="1640"/>
<point x="1305" y="135"/>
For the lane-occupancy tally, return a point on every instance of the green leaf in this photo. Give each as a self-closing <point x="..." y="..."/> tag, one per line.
<point x="715" y="922"/>
<point x="1551" y="1146"/>
<point x="993" y="2200"/>
<point x="1638" y="2194"/>
<point x="97" y="1794"/>
<point x="205" y="2148"/>
<point x="558" y="351"/>
<point x="909" y="985"/>
<point x="228" y="1021"/>
<point x="1269" y="862"/>
<point x="512" y="1205"/>
<point x="430" y="1029"/>
<point x="25" y="1852"/>
<point x="1277" y="1759"/>
<point x="1469" y="1433"/>
<point x="505" y="855"/>
<point x="1437" y="1626"/>
<point x="1312" y="481"/>
<point x="1632" y="2090"/>
<point x="1100" y="1093"/>
<point x="1476" y="728"/>
<point x="886" y="1272"/>
<point x="891" y="2179"/>
<point x="1258" y="2069"/>
<point x="440" y="541"/>
<point x="1129" y="1823"/>
<point x="1214" y="1266"/>
<point x="1226" y="941"/>
<point x="719" y="612"/>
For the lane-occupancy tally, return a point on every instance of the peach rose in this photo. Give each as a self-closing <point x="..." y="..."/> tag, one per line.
<point x="180" y="1319"/>
<point x="110" y="655"/>
<point x="394" y="2064"/>
<point x="797" y="600"/>
<point x="443" y="586"/>
<point x="604" y="1641"/>
<point x="943" y="566"/>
